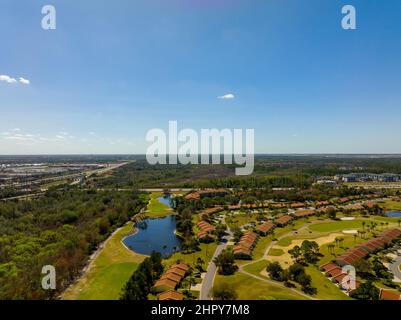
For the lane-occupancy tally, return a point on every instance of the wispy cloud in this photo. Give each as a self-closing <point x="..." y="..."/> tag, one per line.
<point x="227" y="96"/>
<point x="19" y="136"/>
<point x="9" y="79"/>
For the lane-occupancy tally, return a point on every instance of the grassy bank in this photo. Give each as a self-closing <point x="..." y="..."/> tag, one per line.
<point x="108" y="272"/>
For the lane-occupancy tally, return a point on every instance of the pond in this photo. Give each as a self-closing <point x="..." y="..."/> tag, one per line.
<point x="166" y="199"/>
<point x="155" y="235"/>
<point x="393" y="214"/>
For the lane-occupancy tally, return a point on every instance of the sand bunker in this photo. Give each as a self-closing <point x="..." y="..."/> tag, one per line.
<point x="285" y="260"/>
<point x="351" y="231"/>
<point x="347" y="218"/>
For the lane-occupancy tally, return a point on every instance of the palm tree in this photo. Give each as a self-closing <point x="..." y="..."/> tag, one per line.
<point x="399" y="222"/>
<point x="337" y="240"/>
<point x="363" y="225"/>
<point x="191" y="281"/>
<point x="331" y="248"/>
<point x="355" y="235"/>
<point x="341" y="240"/>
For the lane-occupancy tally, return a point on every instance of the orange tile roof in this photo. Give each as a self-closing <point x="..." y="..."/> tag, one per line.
<point x="283" y="219"/>
<point x="165" y="283"/>
<point x="265" y="227"/>
<point x="297" y="204"/>
<point x="171" y="276"/>
<point x="305" y="213"/>
<point x="322" y="203"/>
<point x="340" y="277"/>
<point x="389" y="295"/>
<point x="193" y="196"/>
<point x="328" y="266"/>
<point x="171" y="295"/>
<point x="177" y="271"/>
<point x="334" y="272"/>
<point x="239" y="249"/>
<point x="182" y="266"/>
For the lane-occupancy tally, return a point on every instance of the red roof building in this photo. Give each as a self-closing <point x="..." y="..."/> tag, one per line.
<point x="171" y="295"/>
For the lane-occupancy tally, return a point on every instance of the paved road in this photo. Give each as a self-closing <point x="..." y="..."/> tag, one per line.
<point x="211" y="270"/>
<point x="395" y="267"/>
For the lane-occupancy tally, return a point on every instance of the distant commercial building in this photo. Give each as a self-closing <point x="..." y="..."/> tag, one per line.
<point x="369" y="177"/>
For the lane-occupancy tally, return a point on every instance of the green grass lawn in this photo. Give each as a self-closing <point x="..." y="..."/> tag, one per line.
<point x="256" y="267"/>
<point x="334" y="226"/>
<point x="285" y="242"/>
<point x="338" y="226"/>
<point x="260" y="247"/>
<point x="237" y="221"/>
<point x="109" y="272"/>
<point x="248" y="288"/>
<point x="205" y="254"/>
<point x="276" y="252"/>
<point x="157" y="209"/>
<point x="326" y="290"/>
<point x="391" y="205"/>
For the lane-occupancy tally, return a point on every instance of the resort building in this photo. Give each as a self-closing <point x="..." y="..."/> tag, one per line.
<point x="171" y="295"/>
<point x="304" y="213"/>
<point x="389" y="295"/>
<point x="170" y="279"/>
<point x="283" y="220"/>
<point x="207" y="193"/>
<point x="204" y="214"/>
<point x="265" y="228"/>
<point x="243" y="249"/>
<point x="205" y="230"/>
<point x="334" y="269"/>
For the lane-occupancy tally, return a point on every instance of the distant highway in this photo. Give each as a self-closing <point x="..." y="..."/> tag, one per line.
<point x="79" y="175"/>
<point x="86" y="174"/>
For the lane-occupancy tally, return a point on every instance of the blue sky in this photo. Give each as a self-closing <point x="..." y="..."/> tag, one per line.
<point x="112" y="70"/>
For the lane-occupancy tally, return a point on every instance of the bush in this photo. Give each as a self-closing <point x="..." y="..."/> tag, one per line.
<point x="224" y="291"/>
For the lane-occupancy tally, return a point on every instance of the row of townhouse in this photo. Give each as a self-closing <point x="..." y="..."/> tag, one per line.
<point x="335" y="269"/>
<point x="169" y="281"/>
<point x="243" y="249"/>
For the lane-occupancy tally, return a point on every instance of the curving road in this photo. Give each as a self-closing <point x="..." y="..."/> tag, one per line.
<point x="207" y="283"/>
<point x="395" y="268"/>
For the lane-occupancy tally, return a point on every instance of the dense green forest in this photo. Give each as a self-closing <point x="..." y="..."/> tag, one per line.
<point x="270" y="171"/>
<point x="61" y="229"/>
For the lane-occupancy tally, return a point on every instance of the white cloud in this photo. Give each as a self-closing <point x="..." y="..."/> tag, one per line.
<point x="21" y="137"/>
<point x="227" y="96"/>
<point x="7" y="79"/>
<point x="24" y="81"/>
